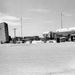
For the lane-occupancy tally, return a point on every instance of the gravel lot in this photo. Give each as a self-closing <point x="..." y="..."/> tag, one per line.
<point x="37" y="59"/>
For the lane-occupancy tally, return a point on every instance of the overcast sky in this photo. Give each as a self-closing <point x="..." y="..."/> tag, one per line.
<point x="38" y="15"/>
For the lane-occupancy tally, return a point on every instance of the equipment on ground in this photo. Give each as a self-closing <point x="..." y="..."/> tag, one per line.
<point x="60" y="35"/>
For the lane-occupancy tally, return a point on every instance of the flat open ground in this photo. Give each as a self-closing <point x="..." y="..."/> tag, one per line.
<point x="37" y="59"/>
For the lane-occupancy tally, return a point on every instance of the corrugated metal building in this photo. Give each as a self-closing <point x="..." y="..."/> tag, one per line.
<point x="4" y="34"/>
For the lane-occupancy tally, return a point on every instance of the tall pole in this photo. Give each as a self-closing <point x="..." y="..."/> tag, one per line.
<point x="61" y="22"/>
<point x="14" y="32"/>
<point x="21" y="27"/>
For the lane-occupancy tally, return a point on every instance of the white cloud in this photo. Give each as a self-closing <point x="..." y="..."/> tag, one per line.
<point x="8" y="17"/>
<point x="11" y="20"/>
<point x="27" y="18"/>
<point x="12" y="23"/>
<point x="39" y="10"/>
<point x="63" y="72"/>
<point x="48" y="21"/>
<point x="68" y="15"/>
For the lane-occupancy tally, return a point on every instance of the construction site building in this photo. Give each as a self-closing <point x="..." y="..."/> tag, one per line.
<point x="4" y="33"/>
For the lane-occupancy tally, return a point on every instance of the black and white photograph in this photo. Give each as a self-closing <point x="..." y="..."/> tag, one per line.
<point x="37" y="37"/>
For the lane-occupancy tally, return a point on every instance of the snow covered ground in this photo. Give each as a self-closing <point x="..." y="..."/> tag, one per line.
<point x="37" y="59"/>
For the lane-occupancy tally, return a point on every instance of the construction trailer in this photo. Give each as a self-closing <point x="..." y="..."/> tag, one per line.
<point x="60" y="35"/>
<point x="4" y="33"/>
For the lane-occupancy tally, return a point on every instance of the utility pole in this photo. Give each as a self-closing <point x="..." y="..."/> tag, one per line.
<point x="14" y="32"/>
<point x="61" y="22"/>
<point x="21" y="27"/>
